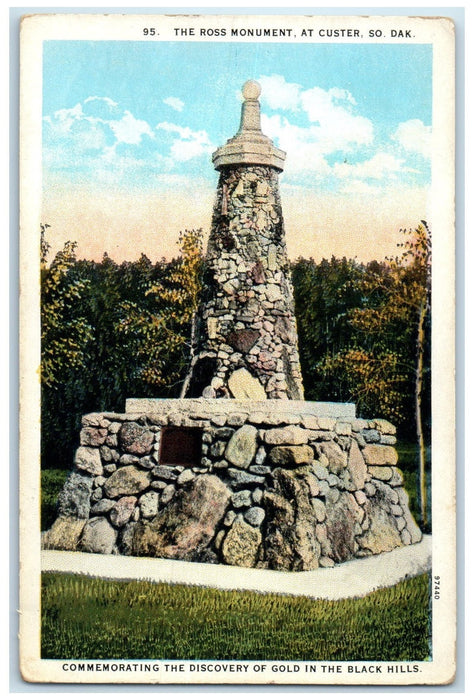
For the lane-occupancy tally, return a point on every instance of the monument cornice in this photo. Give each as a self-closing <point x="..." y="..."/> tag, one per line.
<point x="249" y="146"/>
<point x="249" y="151"/>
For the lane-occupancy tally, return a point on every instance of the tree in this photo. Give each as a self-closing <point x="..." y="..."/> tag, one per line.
<point x="416" y="260"/>
<point x="65" y="342"/>
<point x="161" y="333"/>
<point x="401" y="321"/>
<point x="110" y="331"/>
<point x="324" y="293"/>
<point x="372" y="378"/>
<point x="64" y="335"/>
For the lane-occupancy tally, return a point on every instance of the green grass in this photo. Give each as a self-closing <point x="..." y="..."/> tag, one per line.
<point x="84" y="618"/>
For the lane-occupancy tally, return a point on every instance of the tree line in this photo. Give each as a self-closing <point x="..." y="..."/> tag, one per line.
<point x="112" y="331"/>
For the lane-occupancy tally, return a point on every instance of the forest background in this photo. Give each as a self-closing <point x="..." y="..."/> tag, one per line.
<point x="112" y="331"/>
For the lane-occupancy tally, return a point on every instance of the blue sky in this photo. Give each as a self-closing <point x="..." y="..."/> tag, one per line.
<point x="354" y="119"/>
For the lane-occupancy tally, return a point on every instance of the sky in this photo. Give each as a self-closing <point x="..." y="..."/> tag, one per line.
<point x="129" y="128"/>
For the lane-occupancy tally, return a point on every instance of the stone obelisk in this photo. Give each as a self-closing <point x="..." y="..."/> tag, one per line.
<point x="245" y="342"/>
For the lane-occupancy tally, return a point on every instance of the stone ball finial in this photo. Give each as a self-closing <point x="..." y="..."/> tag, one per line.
<point x="249" y="146"/>
<point x="251" y="90"/>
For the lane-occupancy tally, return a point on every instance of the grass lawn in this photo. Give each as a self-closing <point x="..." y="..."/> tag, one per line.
<point x="86" y="618"/>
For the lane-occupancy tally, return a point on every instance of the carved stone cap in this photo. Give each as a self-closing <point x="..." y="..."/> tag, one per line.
<point x="249" y="146"/>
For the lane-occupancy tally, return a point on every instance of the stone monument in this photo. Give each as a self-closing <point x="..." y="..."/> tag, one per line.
<point x="246" y="344"/>
<point x="241" y="470"/>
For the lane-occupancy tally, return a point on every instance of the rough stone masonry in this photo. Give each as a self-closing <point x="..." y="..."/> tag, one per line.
<point x="245" y="339"/>
<point x="270" y="484"/>
<point x="242" y="471"/>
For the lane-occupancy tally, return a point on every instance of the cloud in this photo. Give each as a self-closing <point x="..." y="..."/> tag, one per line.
<point x="302" y="146"/>
<point x="380" y="166"/>
<point x="342" y="94"/>
<point x="128" y="129"/>
<point x="100" y="107"/>
<point x="189" y="144"/>
<point x="101" y="141"/>
<point x="106" y="100"/>
<point x="308" y="148"/>
<point x="175" y="103"/>
<point x="414" y="136"/>
<point x="339" y="127"/>
<point x="278" y="94"/>
<point x="329" y="141"/>
<point x="318" y="123"/>
<point x="60" y="123"/>
<point x="71" y="139"/>
<point x="333" y="122"/>
<point x="97" y="115"/>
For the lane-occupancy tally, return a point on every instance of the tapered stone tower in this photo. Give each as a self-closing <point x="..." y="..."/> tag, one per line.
<point x="245" y="342"/>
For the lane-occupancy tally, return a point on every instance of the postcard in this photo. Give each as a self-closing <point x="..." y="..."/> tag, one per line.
<point x="237" y="429"/>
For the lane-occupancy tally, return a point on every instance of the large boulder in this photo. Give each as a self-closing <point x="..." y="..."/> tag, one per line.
<point x="343" y="519"/>
<point x="149" y="504"/>
<point x="135" y="439"/>
<point x="288" y="435"/>
<point x="184" y="529"/>
<point x="380" y="455"/>
<point x="127" y="481"/>
<point x="356" y="468"/>
<point x="242" y="339"/>
<point x="64" y="533"/>
<point x="122" y="510"/>
<point x="243" y="386"/>
<point x="94" y="437"/>
<point x="74" y="499"/>
<point x="88" y="459"/>
<point x="241" y="545"/>
<point x="290" y="540"/>
<point x="382" y="534"/>
<point x="98" y="536"/>
<point x="411" y="527"/>
<point x="242" y="447"/>
<point x="337" y="458"/>
<point x="291" y="455"/>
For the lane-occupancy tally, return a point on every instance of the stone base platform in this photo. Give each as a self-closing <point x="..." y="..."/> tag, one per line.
<point x="353" y="579"/>
<point x="282" y="485"/>
<point x="211" y="407"/>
